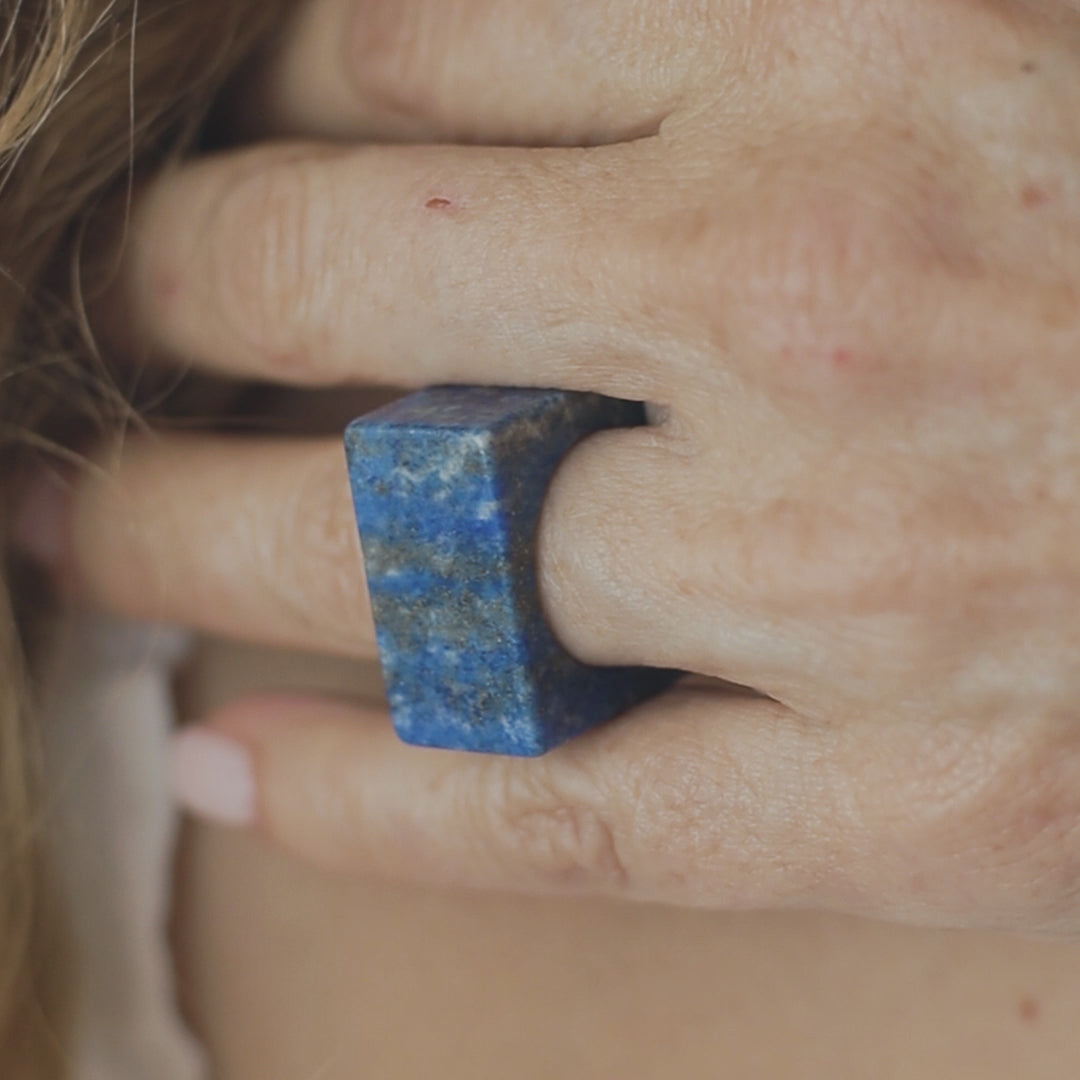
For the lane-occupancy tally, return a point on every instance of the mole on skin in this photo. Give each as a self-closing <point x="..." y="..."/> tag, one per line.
<point x="1028" y="1010"/>
<point x="438" y="203"/>
<point x="1034" y="196"/>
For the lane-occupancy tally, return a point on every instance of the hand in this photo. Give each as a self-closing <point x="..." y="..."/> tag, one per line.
<point x="837" y="246"/>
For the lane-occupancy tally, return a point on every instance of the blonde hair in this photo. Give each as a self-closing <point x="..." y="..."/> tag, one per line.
<point x="93" y="93"/>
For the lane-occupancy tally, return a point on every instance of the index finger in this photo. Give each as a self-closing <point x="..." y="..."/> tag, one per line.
<point x="703" y="797"/>
<point x="567" y="72"/>
<point x="315" y="265"/>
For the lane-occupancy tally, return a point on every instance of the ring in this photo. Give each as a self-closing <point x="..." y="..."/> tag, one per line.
<point x="448" y="484"/>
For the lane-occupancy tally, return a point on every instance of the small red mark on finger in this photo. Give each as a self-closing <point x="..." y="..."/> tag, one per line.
<point x="842" y="358"/>
<point x="438" y="203"/>
<point x="1033" y="196"/>
<point x="1028" y="1010"/>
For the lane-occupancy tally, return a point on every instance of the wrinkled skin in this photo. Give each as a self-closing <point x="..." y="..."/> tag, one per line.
<point x="836" y="244"/>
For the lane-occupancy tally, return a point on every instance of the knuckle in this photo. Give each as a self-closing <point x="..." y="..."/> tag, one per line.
<point x="711" y="827"/>
<point x="1000" y="810"/>
<point x="565" y="840"/>
<point x="802" y="553"/>
<point x="713" y="830"/>
<point x="905" y="551"/>
<point x="1026" y="817"/>
<point x="835" y="276"/>
<point x="268" y="268"/>
<point x="680" y="803"/>
<point x="827" y="267"/>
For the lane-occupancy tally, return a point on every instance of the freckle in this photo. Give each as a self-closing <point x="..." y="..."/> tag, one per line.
<point x="1033" y="196"/>
<point x="1028" y="1010"/>
<point x="1029" y="67"/>
<point x="438" y="203"/>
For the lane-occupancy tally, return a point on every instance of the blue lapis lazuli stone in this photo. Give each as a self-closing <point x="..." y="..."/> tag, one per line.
<point x="448" y="485"/>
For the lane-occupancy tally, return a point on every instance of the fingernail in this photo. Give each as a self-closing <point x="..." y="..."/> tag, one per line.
<point x="212" y="777"/>
<point x="41" y="527"/>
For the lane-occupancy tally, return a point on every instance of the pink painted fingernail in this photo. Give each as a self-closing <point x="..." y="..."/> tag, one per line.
<point x="212" y="777"/>
<point x="41" y="527"/>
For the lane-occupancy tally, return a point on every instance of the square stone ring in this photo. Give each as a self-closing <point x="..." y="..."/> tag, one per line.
<point x="448" y="484"/>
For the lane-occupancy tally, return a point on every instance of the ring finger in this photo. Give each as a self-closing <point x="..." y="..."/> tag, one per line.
<point x="252" y="538"/>
<point x="255" y="538"/>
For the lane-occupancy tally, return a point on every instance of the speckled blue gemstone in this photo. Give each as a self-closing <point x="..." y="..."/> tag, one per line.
<point x="448" y="485"/>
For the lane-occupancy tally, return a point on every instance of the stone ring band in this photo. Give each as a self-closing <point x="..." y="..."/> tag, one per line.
<point x="448" y="485"/>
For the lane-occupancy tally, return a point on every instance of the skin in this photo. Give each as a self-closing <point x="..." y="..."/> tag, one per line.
<point x="837" y="247"/>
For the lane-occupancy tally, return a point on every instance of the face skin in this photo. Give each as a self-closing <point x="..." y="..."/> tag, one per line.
<point x="289" y="973"/>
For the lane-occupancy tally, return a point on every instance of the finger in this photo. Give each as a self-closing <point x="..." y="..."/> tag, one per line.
<point x="257" y="539"/>
<point x="698" y="798"/>
<point x="646" y="556"/>
<point x="415" y="265"/>
<point x="556" y="72"/>
<point x="252" y="539"/>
